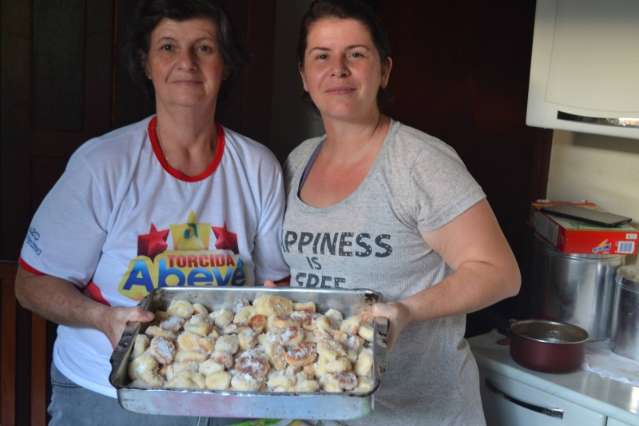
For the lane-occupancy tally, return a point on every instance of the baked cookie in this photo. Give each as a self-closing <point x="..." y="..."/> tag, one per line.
<point x="301" y="355"/>
<point x="180" y="308"/>
<point x="272" y="305"/>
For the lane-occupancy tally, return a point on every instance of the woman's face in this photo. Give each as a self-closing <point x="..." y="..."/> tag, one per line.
<point x="184" y="63"/>
<point x="342" y="70"/>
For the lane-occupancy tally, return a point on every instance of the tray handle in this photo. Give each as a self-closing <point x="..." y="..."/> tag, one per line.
<point x="119" y="358"/>
<point x="382" y="330"/>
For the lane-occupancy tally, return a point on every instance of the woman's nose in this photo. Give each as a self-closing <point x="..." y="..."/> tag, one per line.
<point x="340" y="67"/>
<point x="187" y="59"/>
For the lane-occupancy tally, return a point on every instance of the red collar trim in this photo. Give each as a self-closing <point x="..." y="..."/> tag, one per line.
<point x="217" y="155"/>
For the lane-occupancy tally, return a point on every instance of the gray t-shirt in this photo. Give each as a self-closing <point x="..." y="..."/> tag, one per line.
<point x="372" y="239"/>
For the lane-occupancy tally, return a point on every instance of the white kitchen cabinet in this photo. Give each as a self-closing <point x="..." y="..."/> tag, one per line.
<point x="584" y="67"/>
<point x="517" y="396"/>
<point x="508" y="402"/>
<point x="614" y="422"/>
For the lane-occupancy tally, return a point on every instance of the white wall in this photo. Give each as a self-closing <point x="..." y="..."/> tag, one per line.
<point x="601" y="169"/>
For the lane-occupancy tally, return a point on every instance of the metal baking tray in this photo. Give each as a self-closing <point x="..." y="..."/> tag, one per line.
<point x="229" y="403"/>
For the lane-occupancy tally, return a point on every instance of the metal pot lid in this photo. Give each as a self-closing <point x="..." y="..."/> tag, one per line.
<point x="628" y="277"/>
<point x="612" y="258"/>
<point x="551" y="332"/>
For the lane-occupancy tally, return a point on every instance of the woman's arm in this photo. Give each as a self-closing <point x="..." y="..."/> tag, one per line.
<point x="62" y="302"/>
<point x="485" y="271"/>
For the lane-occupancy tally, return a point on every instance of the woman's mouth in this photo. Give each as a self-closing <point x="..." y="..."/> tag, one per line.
<point x="187" y="82"/>
<point x="341" y="90"/>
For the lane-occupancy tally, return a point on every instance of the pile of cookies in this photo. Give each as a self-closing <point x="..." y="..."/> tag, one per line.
<point x="270" y="345"/>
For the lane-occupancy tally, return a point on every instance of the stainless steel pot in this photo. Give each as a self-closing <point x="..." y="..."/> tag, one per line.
<point x="575" y="288"/>
<point x="625" y="334"/>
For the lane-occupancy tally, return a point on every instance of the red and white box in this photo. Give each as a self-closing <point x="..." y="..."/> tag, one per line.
<point x="576" y="236"/>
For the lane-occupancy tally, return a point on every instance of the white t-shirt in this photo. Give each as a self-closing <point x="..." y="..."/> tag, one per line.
<point x="121" y="222"/>
<point x="373" y="239"/>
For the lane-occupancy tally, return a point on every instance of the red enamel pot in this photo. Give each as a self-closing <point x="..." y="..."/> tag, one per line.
<point x="548" y="346"/>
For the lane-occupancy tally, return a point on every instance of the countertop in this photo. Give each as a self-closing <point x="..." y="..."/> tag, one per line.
<point x="610" y="397"/>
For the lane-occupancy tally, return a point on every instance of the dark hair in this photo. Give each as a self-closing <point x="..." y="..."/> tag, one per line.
<point x="346" y="9"/>
<point x="148" y="15"/>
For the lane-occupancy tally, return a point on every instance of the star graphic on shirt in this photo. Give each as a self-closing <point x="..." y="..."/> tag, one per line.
<point x="152" y="243"/>
<point x="225" y="240"/>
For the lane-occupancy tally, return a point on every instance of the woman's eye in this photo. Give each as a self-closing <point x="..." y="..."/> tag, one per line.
<point x="321" y="56"/>
<point x="166" y="47"/>
<point x="357" y="54"/>
<point x="206" y="48"/>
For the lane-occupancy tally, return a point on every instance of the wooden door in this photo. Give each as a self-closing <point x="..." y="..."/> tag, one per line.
<point x="24" y="358"/>
<point x="56" y="82"/>
<point x="56" y="85"/>
<point x="7" y="346"/>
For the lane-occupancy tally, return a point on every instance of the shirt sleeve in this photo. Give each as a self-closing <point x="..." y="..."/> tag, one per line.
<point x="289" y="172"/>
<point x="68" y="230"/>
<point x="267" y="252"/>
<point x="443" y="189"/>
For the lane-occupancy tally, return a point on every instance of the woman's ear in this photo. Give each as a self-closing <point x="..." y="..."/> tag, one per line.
<point x="387" y="67"/>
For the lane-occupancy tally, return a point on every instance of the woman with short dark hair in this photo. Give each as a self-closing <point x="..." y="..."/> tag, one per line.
<point x="150" y="13"/>
<point x="176" y="185"/>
